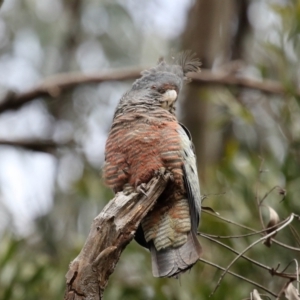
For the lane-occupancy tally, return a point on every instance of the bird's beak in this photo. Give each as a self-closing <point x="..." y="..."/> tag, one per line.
<point x="170" y="96"/>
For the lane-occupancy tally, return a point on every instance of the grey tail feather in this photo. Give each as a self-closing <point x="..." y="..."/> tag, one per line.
<point x="171" y="262"/>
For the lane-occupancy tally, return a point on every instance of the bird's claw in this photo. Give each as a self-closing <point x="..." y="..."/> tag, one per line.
<point x="142" y="188"/>
<point x="128" y="189"/>
<point x="161" y="171"/>
<point x="165" y="173"/>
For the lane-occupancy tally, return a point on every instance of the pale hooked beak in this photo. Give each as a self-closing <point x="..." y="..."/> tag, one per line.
<point x="170" y="96"/>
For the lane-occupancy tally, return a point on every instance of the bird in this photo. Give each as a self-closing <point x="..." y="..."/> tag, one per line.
<point x="146" y="137"/>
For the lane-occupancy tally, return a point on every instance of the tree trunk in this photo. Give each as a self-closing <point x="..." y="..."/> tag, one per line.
<point x="209" y="34"/>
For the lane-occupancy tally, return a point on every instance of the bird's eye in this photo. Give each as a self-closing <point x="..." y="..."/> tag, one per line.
<point x="161" y="90"/>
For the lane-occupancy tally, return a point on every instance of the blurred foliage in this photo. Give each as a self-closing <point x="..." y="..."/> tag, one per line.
<point x="260" y="137"/>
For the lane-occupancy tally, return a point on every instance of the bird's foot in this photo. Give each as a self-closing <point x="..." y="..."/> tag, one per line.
<point x="161" y="171"/>
<point x="128" y="189"/>
<point x="142" y="188"/>
<point x="165" y="173"/>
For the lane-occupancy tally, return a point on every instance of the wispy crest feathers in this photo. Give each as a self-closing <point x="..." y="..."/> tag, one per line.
<point x="180" y="65"/>
<point x="188" y="61"/>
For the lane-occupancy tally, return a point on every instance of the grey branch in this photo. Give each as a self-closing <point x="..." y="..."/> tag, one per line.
<point x="110" y="233"/>
<point x="223" y="78"/>
<point x="56" y="85"/>
<point x="47" y="146"/>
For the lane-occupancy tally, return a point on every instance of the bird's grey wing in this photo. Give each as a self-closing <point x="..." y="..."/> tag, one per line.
<point x="191" y="180"/>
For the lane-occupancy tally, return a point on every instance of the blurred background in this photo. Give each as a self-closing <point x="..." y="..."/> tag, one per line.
<point x="247" y="142"/>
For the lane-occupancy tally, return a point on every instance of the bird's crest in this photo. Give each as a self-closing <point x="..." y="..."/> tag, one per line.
<point x="188" y="62"/>
<point x="179" y="65"/>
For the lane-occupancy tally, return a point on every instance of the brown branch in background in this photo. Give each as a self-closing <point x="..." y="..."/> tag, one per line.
<point x="54" y="86"/>
<point x="266" y="86"/>
<point x="47" y="146"/>
<point x="110" y="233"/>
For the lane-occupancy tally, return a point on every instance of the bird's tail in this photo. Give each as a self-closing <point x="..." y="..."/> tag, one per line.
<point x="170" y="262"/>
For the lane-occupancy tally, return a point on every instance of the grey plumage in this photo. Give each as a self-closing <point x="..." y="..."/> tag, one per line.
<point x="172" y="261"/>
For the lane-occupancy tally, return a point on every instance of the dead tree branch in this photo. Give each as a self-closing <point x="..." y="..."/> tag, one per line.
<point x="47" y="146"/>
<point x="223" y="78"/>
<point x="56" y="85"/>
<point x="110" y="233"/>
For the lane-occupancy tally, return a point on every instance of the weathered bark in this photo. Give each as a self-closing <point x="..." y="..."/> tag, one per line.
<point x="110" y="233"/>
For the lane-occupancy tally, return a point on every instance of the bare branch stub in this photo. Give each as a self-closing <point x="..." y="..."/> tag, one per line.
<point x="110" y="233"/>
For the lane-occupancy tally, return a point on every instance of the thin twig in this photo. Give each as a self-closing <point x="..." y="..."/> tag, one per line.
<point x="288" y="266"/>
<point x="283" y="289"/>
<point x="234" y="251"/>
<point x="256" y="194"/>
<point x="238" y="276"/>
<point x="253" y="230"/>
<point x="288" y="221"/>
<point x="244" y="235"/>
<point x="272" y="271"/>
<point x="297" y="272"/>
<point x="295" y="234"/>
<point x="267" y="194"/>
<point x="285" y="245"/>
<point x="228" y="221"/>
